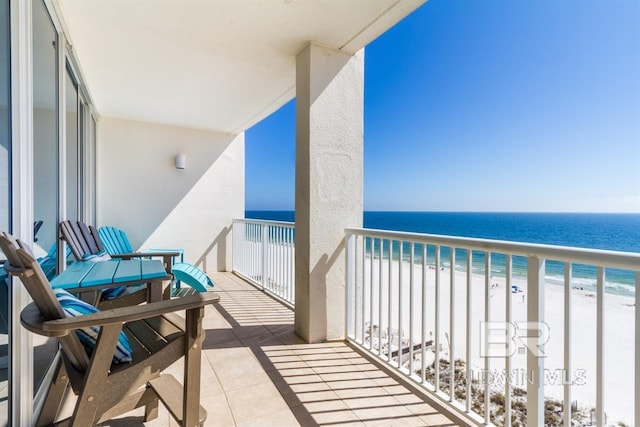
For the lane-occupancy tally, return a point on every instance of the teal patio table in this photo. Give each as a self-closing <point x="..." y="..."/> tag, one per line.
<point x="87" y="278"/>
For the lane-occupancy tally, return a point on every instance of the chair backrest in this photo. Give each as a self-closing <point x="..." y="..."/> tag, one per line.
<point x="115" y="240"/>
<point x="19" y="262"/>
<point x="83" y="239"/>
<point x="22" y="263"/>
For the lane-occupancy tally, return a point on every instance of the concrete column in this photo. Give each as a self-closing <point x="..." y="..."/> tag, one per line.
<point x="329" y="163"/>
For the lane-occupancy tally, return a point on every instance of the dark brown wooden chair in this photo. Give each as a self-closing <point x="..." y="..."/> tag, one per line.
<point x="84" y="241"/>
<point x="157" y="334"/>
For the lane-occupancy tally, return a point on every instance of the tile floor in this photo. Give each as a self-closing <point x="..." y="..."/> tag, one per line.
<point x="257" y="372"/>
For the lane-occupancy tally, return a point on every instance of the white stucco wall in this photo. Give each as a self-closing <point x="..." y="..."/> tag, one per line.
<point x="140" y="190"/>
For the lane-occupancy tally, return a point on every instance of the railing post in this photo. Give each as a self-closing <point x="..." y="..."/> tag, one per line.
<point x="234" y="245"/>
<point x="265" y="255"/>
<point x="509" y="319"/>
<point x="637" y="354"/>
<point x="487" y="319"/>
<point x="349" y="280"/>
<point x="536" y="333"/>
<point x="468" y="369"/>
<point x="436" y="322"/>
<point x="600" y="348"/>
<point x="567" y="342"/>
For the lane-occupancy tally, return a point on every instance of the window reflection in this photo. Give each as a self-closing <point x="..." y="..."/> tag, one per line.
<point x="73" y="152"/>
<point x="45" y="129"/>
<point x="45" y="161"/>
<point x="5" y="119"/>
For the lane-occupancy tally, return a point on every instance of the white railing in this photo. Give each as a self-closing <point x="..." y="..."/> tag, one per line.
<point x="264" y="254"/>
<point x="487" y="309"/>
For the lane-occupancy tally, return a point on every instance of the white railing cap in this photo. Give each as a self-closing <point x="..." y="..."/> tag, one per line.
<point x="597" y="257"/>
<point x="265" y="222"/>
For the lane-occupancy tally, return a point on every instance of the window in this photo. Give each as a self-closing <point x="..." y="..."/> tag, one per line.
<point x="72" y="140"/>
<point x="45" y="160"/>
<point x="45" y="129"/>
<point x="5" y="117"/>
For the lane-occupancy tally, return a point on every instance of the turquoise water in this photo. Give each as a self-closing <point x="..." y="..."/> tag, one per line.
<point x="617" y="232"/>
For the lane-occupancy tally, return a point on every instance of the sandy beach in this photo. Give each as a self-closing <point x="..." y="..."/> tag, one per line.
<point x="618" y="323"/>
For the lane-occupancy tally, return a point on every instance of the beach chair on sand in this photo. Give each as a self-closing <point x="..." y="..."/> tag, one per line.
<point x="116" y="242"/>
<point x="123" y="369"/>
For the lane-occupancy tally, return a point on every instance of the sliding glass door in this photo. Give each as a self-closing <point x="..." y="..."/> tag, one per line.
<point x="5" y="199"/>
<point x="63" y="164"/>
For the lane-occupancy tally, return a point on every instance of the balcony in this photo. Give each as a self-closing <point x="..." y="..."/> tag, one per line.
<point x="257" y="372"/>
<point x="194" y="87"/>
<point x="407" y="307"/>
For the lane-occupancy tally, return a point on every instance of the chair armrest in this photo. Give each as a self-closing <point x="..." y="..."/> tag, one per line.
<point x="145" y="255"/>
<point x="172" y="251"/>
<point x="167" y="257"/>
<point x="32" y="321"/>
<point x="130" y="314"/>
<point x="160" y="253"/>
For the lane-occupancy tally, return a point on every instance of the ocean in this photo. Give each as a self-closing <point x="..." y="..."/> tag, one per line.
<point x="617" y="232"/>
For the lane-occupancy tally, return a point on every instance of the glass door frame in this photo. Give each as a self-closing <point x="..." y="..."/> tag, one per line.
<point x="22" y="401"/>
<point x="20" y="370"/>
<point x="87" y="135"/>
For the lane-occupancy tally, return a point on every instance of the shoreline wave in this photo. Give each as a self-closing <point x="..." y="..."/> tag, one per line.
<point x="582" y="279"/>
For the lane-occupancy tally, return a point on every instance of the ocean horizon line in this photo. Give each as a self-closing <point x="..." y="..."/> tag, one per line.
<point x="470" y="212"/>
<point x="600" y="231"/>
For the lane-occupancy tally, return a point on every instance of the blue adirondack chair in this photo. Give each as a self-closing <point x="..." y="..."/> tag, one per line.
<point x="115" y="241"/>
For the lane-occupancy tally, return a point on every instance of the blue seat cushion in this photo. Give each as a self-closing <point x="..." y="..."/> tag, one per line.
<point x="88" y="336"/>
<point x="113" y="293"/>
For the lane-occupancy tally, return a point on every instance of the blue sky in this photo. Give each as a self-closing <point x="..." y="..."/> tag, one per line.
<point x="496" y="105"/>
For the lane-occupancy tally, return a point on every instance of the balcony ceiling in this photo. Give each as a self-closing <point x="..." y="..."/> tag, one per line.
<point x="221" y="65"/>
